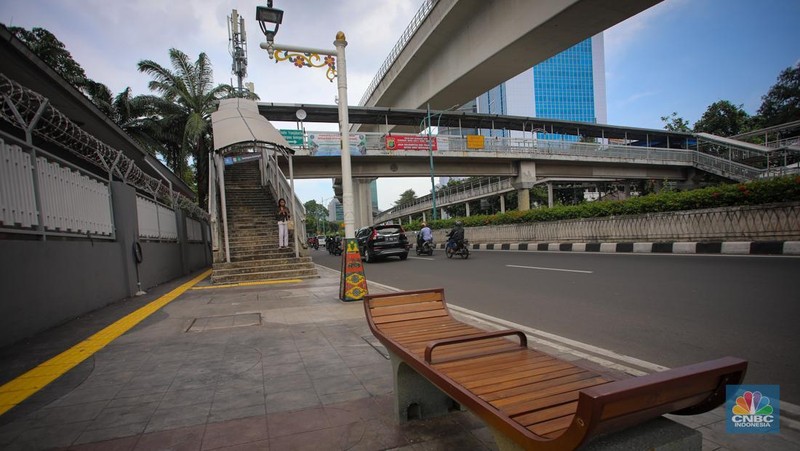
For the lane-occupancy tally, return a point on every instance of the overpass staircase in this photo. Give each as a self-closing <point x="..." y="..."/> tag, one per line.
<point x="253" y="233"/>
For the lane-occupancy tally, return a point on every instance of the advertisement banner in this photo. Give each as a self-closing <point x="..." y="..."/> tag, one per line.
<point x="475" y="141"/>
<point x="400" y="142"/>
<point x="328" y="144"/>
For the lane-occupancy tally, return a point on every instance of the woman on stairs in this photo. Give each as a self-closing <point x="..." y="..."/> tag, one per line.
<point x="283" y="217"/>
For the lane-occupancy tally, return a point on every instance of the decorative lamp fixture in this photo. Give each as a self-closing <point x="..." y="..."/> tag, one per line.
<point x="266" y="15"/>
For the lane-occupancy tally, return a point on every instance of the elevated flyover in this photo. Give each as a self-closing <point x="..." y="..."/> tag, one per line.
<point x="454" y="50"/>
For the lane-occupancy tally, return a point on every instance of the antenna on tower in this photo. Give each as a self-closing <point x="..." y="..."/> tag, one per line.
<point x="237" y="42"/>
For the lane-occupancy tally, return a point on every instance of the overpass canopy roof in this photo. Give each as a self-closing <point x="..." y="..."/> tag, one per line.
<point x="236" y="123"/>
<point x="413" y="119"/>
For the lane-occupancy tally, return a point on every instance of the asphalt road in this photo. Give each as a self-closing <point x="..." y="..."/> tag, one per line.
<point x="670" y="310"/>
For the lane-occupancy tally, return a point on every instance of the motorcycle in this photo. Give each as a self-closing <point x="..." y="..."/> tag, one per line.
<point x="426" y="248"/>
<point x="462" y="250"/>
<point x="334" y="246"/>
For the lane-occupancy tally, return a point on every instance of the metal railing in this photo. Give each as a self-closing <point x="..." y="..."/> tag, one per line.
<point x="272" y="177"/>
<point x="410" y="30"/>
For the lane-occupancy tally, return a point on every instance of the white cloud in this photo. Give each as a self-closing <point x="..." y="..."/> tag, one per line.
<point x="619" y="37"/>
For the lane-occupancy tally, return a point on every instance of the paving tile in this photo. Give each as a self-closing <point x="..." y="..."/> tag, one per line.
<point x="328" y="370"/>
<point x="114" y="432"/>
<point x="292" y="400"/>
<point x="70" y="414"/>
<point x="288" y="382"/>
<point x="118" y="416"/>
<point x="235" y="432"/>
<point x="169" y="417"/>
<point x="120" y="444"/>
<point x="181" y="439"/>
<point x="295" y="422"/>
<point x="261" y="445"/>
<point x="88" y="394"/>
<point x="308" y="441"/>
<point x="48" y="437"/>
<point x="232" y="413"/>
<point x="176" y="398"/>
<point x="335" y="384"/>
<point x="335" y="398"/>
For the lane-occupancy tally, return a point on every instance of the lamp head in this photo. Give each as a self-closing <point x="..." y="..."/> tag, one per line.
<point x="267" y="17"/>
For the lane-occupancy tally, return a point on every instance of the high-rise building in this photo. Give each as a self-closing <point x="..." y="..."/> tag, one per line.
<point x="335" y="211"/>
<point x="569" y="86"/>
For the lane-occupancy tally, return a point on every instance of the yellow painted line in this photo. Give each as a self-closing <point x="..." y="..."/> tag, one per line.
<point x="19" y="389"/>
<point x="248" y="284"/>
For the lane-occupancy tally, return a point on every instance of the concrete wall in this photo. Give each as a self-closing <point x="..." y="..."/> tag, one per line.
<point x="760" y="223"/>
<point x="46" y="283"/>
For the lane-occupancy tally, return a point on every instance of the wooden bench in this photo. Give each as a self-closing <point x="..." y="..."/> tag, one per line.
<point x="529" y="399"/>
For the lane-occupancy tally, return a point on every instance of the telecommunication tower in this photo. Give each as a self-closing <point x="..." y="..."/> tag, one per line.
<point x="237" y="43"/>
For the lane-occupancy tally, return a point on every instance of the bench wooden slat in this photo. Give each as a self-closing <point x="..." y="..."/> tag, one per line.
<point x="547" y="413"/>
<point x="541" y="388"/>
<point x="524" y="403"/>
<point x="409" y="316"/>
<point x="488" y="381"/>
<point x="406" y="299"/>
<point x="545" y="402"/>
<point x="470" y="373"/>
<point x="520" y="385"/>
<point x="407" y="308"/>
<point x="418" y="324"/>
<point x="519" y="356"/>
<point x="416" y="337"/>
<point x="465" y="352"/>
<point x="550" y="426"/>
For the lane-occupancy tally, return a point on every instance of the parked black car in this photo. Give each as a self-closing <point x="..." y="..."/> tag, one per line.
<point x="382" y="241"/>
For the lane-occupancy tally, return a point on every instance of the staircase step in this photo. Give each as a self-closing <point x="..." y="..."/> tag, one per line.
<point x="263" y="268"/>
<point x="268" y="275"/>
<point x="255" y="263"/>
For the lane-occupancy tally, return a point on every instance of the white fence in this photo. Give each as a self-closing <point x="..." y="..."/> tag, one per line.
<point x="70" y="201"/>
<point x="194" y="230"/>
<point x="155" y="220"/>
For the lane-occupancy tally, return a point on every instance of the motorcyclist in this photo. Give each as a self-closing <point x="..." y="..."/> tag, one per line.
<point x="456" y="236"/>
<point x="425" y="235"/>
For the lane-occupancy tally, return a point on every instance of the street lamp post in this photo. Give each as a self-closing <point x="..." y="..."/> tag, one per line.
<point x="313" y="57"/>
<point x="430" y="151"/>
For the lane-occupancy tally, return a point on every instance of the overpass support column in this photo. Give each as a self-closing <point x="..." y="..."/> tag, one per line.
<point x="467" y="205"/>
<point x="441" y="213"/>
<point x="524" y="182"/>
<point x="362" y="200"/>
<point x="503" y="203"/>
<point x="550" y="195"/>
<point x="424" y="218"/>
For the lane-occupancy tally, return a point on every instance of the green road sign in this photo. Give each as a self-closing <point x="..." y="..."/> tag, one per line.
<point x="293" y="137"/>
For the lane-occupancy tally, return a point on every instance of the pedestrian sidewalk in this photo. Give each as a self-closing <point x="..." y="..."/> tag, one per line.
<point x="279" y="366"/>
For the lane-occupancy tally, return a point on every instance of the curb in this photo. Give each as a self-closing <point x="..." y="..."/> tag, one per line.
<point x="676" y="247"/>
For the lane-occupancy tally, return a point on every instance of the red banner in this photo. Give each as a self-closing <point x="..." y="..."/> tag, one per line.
<point x="399" y="142"/>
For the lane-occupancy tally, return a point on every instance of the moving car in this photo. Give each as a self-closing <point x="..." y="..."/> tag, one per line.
<point x="382" y="241"/>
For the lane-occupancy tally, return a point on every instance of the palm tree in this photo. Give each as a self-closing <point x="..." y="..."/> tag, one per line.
<point x="187" y="99"/>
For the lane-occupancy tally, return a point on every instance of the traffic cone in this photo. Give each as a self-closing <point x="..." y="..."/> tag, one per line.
<point x="353" y="285"/>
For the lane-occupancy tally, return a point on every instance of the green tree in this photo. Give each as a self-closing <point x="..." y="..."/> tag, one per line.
<point x="723" y="118"/>
<point x="675" y="123"/>
<point x="407" y="196"/>
<point x="781" y="104"/>
<point x="188" y="96"/>
<point x="53" y="52"/>
<point x="316" y="215"/>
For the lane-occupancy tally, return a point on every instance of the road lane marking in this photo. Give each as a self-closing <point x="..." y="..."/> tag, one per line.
<point x="422" y="258"/>
<point x="551" y="269"/>
<point x="17" y="390"/>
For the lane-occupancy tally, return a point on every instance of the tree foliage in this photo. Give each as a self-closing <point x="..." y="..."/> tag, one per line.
<point x="53" y="52"/>
<point x="781" y="104"/>
<point x="675" y="123"/>
<point x="723" y="118"/>
<point x="187" y="98"/>
<point x="407" y="196"/>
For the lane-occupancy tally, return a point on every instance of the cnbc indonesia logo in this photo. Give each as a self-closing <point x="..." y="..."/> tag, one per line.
<point x="753" y="411"/>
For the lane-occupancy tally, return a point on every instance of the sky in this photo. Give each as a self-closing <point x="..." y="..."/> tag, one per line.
<point x="678" y="56"/>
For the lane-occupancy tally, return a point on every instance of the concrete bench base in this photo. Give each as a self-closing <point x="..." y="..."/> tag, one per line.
<point x="415" y="397"/>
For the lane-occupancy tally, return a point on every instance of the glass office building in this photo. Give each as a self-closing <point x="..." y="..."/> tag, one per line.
<point x="569" y="86"/>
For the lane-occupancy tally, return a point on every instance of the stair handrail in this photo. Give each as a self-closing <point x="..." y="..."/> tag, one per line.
<point x="275" y="180"/>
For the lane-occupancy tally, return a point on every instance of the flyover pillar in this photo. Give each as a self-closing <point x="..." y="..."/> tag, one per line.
<point x="467" y="205"/>
<point x="441" y="213"/>
<point x="550" y="195"/>
<point x="523" y="183"/>
<point x="362" y="200"/>
<point x="502" y="203"/>
<point x="424" y="218"/>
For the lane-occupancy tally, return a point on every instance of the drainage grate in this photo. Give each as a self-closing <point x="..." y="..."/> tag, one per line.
<point x="224" y="322"/>
<point x="376" y="345"/>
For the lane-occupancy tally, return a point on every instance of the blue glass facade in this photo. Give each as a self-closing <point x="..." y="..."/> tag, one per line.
<point x="564" y="87"/>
